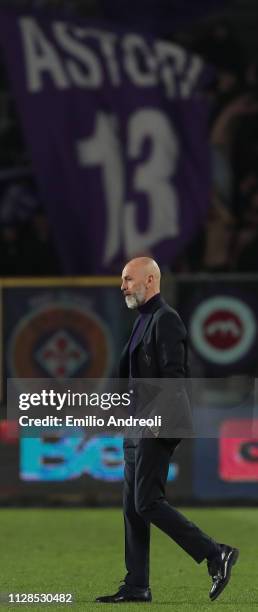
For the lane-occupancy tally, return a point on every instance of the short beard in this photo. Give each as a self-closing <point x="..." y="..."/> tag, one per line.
<point x="135" y="300"/>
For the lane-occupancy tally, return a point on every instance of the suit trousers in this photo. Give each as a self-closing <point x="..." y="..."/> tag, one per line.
<point x="146" y="470"/>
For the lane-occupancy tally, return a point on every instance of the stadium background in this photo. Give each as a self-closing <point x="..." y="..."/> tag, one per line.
<point x="57" y="320"/>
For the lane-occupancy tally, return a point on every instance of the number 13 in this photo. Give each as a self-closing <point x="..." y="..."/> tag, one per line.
<point x="153" y="177"/>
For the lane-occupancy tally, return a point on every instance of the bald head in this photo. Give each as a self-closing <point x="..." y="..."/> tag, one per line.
<point x="140" y="281"/>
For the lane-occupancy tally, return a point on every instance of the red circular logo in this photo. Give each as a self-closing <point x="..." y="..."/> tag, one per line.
<point x="223" y="329"/>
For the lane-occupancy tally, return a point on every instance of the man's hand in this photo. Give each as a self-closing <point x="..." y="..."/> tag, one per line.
<point x="154" y="429"/>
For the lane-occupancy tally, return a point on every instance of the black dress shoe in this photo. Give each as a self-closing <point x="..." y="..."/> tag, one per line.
<point x="127" y="593"/>
<point x="220" y="569"/>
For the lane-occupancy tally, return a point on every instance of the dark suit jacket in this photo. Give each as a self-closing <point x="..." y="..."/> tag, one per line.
<point x="161" y="352"/>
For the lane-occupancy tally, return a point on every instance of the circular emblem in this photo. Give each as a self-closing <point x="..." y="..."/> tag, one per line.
<point x="223" y="329"/>
<point x="60" y="341"/>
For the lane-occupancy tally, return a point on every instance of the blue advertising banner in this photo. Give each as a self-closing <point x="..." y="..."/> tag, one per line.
<point x="100" y="457"/>
<point x="118" y="135"/>
<point x="88" y="470"/>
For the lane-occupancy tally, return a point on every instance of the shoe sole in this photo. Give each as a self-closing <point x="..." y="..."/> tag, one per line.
<point x="121" y="601"/>
<point x="232" y="560"/>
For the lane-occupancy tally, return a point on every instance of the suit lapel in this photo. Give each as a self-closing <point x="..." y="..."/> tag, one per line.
<point x="143" y="331"/>
<point x="126" y="347"/>
<point x="124" y="360"/>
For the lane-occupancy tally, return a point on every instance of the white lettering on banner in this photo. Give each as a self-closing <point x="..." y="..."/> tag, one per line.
<point x="107" y="43"/>
<point x="191" y="77"/>
<point x="103" y="150"/>
<point x="178" y="71"/>
<point x="40" y="57"/>
<point x="172" y="62"/>
<point x="91" y="77"/>
<point x="133" y="46"/>
<point x="152" y="177"/>
<point x="83" y="66"/>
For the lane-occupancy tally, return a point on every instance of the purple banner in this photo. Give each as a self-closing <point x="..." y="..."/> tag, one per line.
<point x="118" y="136"/>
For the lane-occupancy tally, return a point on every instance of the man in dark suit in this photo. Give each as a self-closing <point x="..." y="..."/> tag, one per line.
<point x="157" y="348"/>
